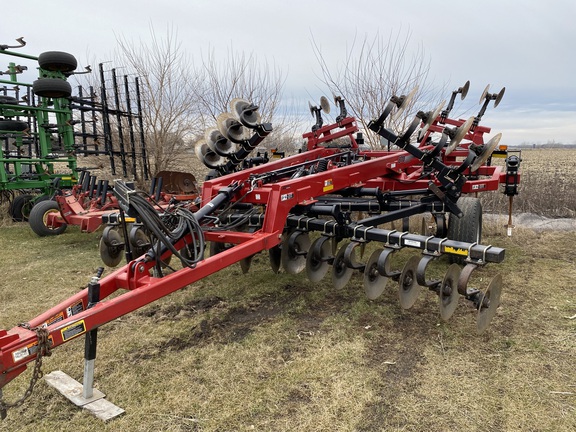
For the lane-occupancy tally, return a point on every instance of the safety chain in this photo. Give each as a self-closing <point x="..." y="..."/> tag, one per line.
<point x="44" y="350"/>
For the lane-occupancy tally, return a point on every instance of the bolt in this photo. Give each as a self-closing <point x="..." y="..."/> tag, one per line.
<point x="141" y="268"/>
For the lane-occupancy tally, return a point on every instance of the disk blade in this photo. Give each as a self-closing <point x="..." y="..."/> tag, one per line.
<point x="448" y="294"/>
<point x="461" y="132"/>
<point x="490" y="301"/>
<point x="374" y="282"/>
<point x="489" y="148"/>
<point x="317" y="259"/>
<point x="408" y="288"/>
<point x="294" y="251"/>
<point x="341" y="273"/>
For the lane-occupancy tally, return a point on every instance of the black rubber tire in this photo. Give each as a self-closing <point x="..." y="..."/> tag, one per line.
<point x="13" y="125"/>
<point x="37" y="219"/>
<point x="468" y="228"/>
<point x="57" y="61"/>
<point x="9" y="100"/>
<point x="20" y="208"/>
<point x="52" y="88"/>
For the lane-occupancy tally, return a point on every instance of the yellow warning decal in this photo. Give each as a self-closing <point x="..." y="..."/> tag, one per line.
<point x="73" y="330"/>
<point x="328" y="185"/>
<point x="456" y="251"/>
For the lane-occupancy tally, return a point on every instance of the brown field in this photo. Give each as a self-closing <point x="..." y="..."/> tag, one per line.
<point x="277" y="353"/>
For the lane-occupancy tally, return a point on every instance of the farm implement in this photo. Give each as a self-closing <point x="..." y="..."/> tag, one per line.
<point x="44" y="128"/>
<point x="316" y="211"/>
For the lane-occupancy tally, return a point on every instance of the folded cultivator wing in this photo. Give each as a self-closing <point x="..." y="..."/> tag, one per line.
<point x="315" y="211"/>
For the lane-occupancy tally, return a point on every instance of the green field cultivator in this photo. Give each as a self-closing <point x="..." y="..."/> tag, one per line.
<point x="44" y="128"/>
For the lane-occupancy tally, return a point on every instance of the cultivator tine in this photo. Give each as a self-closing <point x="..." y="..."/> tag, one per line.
<point x="92" y="186"/>
<point x="245" y="264"/>
<point x="159" y="185"/>
<point x="105" y="185"/>
<point x="85" y="181"/>
<point x="318" y="259"/>
<point x="489" y="302"/>
<point x="408" y="287"/>
<point x="153" y="186"/>
<point x="82" y="176"/>
<point x="294" y="250"/>
<point x="99" y="189"/>
<point x="275" y="257"/>
<point x="448" y="292"/>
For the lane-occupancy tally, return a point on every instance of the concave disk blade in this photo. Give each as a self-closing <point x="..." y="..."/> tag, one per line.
<point x="489" y="148"/>
<point x="461" y="132"/>
<point x="317" y="259"/>
<point x="341" y="273"/>
<point x="405" y="103"/>
<point x="433" y="115"/>
<point x="294" y="250"/>
<point x="374" y="282"/>
<point x="492" y="293"/>
<point x="408" y="288"/>
<point x="139" y="241"/>
<point x="448" y="295"/>
<point x="111" y="249"/>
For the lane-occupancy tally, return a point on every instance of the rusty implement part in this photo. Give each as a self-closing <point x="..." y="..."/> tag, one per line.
<point x="175" y="182"/>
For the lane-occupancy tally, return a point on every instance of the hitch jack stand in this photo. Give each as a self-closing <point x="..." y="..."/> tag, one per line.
<point x="84" y="395"/>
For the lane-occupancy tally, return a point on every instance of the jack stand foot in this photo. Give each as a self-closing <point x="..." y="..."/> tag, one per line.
<point x="73" y="391"/>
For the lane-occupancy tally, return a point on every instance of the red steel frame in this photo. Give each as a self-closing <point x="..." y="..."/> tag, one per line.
<point x="71" y="318"/>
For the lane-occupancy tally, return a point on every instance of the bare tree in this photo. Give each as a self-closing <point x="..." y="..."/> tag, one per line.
<point x="372" y="72"/>
<point x="168" y="85"/>
<point x="241" y="75"/>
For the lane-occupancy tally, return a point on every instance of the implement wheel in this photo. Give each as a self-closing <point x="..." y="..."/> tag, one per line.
<point x="20" y="208"/>
<point x="39" y="219"/>
<point x="13" y="125"/>
<point x="8" y="100"/>
<point x="468" y="228"/>
<point x="52" y="88"/>
<point x="57" y="61"/>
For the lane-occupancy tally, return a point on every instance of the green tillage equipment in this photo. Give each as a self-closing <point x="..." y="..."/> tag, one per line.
<point x="29" y="155"/>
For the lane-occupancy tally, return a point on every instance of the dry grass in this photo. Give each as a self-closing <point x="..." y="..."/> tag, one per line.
<point x="278" y="353"/>
<point x="547" y="185"/>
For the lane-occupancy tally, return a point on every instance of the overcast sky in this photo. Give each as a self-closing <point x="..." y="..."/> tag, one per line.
<point x="526" y="46"/>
